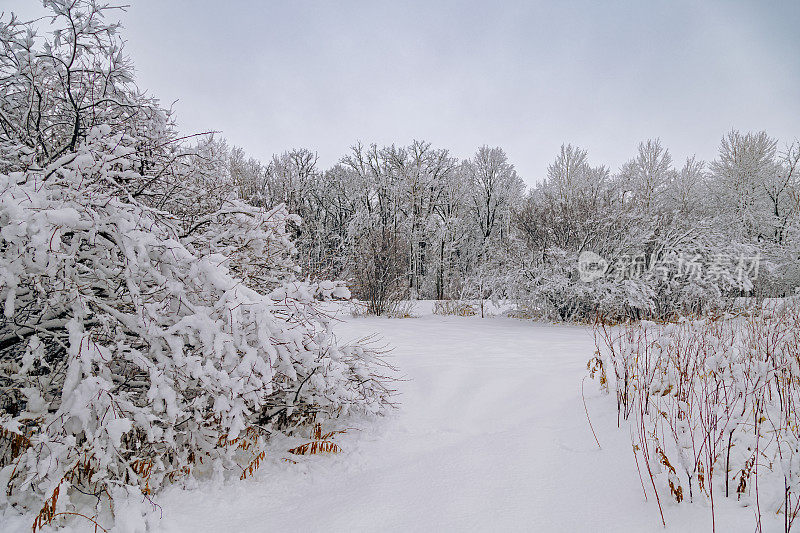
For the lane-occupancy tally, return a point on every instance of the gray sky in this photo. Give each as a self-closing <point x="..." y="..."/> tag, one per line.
<point x="526" y="76"/>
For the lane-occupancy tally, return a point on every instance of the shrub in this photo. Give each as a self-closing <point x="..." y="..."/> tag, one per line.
<point x="153" y="326"/>
<point x="453" y="307"/>
<point x="127" y="359"/>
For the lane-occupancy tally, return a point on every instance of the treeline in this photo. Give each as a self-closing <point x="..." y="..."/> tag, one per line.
<point x="396" y="222"/>
<point x="416" y="222"/>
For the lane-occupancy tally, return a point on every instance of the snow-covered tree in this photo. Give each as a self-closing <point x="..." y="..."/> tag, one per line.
<point x="648" y="176"/>
<point x="689" y="189"/>
<point x="496" y="189"/>
<point x="745" y="166"/>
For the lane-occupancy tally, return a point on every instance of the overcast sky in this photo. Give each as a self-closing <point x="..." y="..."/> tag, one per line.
<point x="526" y="76"/>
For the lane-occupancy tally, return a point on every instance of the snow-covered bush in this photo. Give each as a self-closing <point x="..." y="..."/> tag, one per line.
<point x="711" y="405"/>
<point x="126" y="358"/>
<point x="453" y="307"/>
<point x="153" y="325"/>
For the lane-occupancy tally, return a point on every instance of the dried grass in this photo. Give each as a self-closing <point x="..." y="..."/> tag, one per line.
<point x="712" y="401"/>
<point x="320" y="443"/>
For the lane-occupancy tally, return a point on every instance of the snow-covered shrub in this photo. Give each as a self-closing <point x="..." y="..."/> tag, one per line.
<point x="402" y="309"/>
<point x="129" y="357"/>
<point x="711" y="405"/>
<point x="556" y="291"/>
<point x="153" y="325"/>
<point x="453" y="307"/>
<point x="254" y="240"/>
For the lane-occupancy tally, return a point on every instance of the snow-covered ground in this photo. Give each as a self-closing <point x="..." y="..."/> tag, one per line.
<point x="490" y="435"/>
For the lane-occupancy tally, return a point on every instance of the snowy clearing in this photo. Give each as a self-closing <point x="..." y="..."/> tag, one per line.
<point x="491" y="434"/>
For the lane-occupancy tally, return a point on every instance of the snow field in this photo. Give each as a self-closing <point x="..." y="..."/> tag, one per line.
<point x="491" y="435"/>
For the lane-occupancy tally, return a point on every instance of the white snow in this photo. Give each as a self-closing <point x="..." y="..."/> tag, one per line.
<point x="490" y="435"/>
